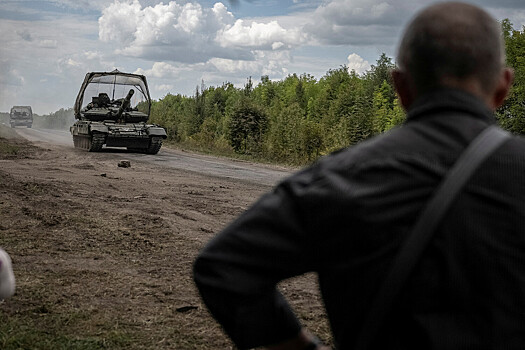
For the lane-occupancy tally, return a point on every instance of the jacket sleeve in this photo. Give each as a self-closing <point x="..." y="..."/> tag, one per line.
<point x="237" y="272"/>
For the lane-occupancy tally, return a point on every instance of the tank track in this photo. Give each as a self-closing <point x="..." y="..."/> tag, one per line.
<point x="92" y="143"/>
<point x="154" y="145"/>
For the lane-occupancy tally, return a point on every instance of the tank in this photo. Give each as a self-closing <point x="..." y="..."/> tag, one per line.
<point x="21" y="116"/>
<point x="112" y="110"/>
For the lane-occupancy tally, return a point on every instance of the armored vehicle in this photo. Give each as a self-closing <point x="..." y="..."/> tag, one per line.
<point x="21" y="116"/>
<point x="112" y="109"/>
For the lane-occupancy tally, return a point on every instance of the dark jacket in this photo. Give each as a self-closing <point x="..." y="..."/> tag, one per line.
<point x="345" y="218"/>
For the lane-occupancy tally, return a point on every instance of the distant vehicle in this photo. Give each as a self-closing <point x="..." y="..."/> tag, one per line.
<point x="21" y="116"/>
<point x="112" y="109"/>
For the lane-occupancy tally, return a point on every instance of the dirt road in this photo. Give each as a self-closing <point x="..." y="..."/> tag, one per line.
<point x="172" y="158"/>
<point x="103" y="255"/>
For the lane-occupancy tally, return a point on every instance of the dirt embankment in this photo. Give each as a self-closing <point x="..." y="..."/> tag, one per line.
<point x="103" y="254"/>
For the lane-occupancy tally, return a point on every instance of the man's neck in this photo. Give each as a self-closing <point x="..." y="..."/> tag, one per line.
<point x="471" y="86"/>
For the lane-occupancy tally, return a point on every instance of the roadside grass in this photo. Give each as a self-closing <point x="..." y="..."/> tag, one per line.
<point x="51" y="332"/>
<point x="40" y="317"/>
<point x="230" y="154"/>
<point x="7" y="149"/>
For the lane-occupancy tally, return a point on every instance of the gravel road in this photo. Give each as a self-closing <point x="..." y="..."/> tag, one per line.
<point x="177" y="159"/>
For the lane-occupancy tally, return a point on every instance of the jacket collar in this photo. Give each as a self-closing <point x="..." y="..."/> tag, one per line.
<point x="447" y="100"/>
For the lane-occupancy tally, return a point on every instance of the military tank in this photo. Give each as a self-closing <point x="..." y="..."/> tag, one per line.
<point x="21" y="116"/>
<point x="112" y="109"/>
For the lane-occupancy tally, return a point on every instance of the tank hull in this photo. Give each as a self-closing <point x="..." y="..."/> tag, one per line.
<point x="138" y="137"/>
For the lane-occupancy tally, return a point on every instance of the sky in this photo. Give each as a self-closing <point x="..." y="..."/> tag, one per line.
<point x="48" y="46"/>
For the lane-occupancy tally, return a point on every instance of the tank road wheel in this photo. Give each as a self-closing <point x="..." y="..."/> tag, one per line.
<point x="89" y="143"/>
<point x="154" y="145"/>
<point x="95" y="142"/>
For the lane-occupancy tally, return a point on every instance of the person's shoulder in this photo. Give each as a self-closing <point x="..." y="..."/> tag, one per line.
<point x="382" y="146"/>
<point x="513" y="149"/>
<point x="516" y="142"/>
<point x="379" y="149"/>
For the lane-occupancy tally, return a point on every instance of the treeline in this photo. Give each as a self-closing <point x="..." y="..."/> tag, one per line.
<point x="60" y="119"/>
<point x="295" y="120"/>
<point x="298" y="119"/>
<point x="4" y="118"/>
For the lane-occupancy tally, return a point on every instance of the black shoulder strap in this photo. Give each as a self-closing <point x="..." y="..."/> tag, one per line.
<point x="410" y="252"/>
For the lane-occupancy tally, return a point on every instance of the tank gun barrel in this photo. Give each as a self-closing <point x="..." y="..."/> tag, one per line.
<point x="125" y="103"/>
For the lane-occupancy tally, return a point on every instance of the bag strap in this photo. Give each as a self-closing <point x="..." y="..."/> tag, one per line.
<point x="411" y="250"/>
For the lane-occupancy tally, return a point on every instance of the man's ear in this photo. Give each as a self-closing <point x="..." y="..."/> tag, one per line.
<point x="502" y="89"/>
<point x="403" y="87"/>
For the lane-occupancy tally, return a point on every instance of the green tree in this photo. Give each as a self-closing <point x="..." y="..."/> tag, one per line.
<point x="265" y="92"/>
<point x="247" y="126"/>
<point x="380" y="73"/>
<point x="397" y="117"/>
<point x="382" y="108"/>
<point x="512" y="114"/>
<point x="283" y="133"/>
<point x="296" y="119"/>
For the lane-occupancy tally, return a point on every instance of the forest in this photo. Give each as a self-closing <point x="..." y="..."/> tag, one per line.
<point x="300" y="118"/>
<point x="294" y="120"/>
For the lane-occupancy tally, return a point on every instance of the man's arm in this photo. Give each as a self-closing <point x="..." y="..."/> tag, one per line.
<point x="237" y="272"/>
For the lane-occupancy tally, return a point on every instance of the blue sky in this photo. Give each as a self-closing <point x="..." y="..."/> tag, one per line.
<point x="47" y="46"/>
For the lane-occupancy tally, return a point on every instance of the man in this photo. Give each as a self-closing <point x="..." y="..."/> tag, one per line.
<point x="346" y="216"/>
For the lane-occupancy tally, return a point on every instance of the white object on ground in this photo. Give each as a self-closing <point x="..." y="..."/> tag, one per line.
<point x="7" y="278"/>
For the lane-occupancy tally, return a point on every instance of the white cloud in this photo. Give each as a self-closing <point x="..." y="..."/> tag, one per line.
<point x="166" y="32"/>
<point x="358" y="22"/>
<point x="265" y="63"/>
<point x="189" y="33"/>
<point x="357" y="63"/>
<point x="10" y="76"/>
<point x="160" y="70"/>
<point x="261" y="36"/>
<point x="119" y="22"/>
<point x="92" y="55"/>
<point x="72" y="62"/>
<point x="235" y="66"/>
<point x="365" y="12"/>
<point x="48" y="43"/>
<point x="277" y="45"/>
<point x="163" y="87"/>
<point x="186" y="39"/>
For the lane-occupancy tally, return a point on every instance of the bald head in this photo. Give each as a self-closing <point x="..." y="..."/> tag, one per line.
<point x="449" y="43"/>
